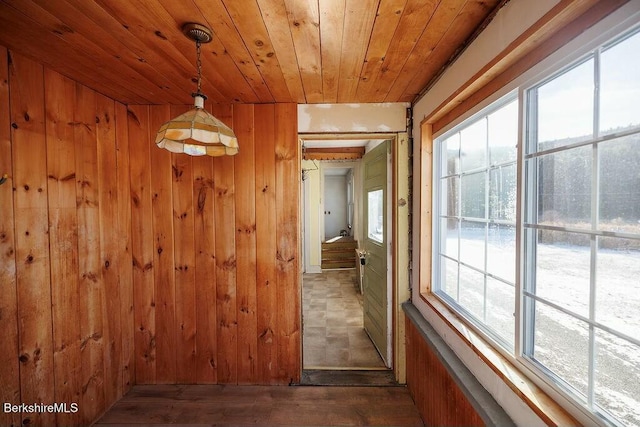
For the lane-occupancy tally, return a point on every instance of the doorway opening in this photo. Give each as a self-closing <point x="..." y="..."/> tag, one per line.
<point x="335" y="342"/>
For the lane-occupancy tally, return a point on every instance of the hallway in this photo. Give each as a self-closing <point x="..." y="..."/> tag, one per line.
<point x="334" y="336"/>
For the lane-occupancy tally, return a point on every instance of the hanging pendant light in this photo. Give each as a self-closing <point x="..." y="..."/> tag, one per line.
<point x="197" y="132"/>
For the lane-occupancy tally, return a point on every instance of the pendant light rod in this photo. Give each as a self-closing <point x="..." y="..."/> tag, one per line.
<point x="199" y="34"/>
<point x="197" y="132"/>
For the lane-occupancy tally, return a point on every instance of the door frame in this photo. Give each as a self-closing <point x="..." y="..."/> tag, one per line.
<point x="399" y="264"/>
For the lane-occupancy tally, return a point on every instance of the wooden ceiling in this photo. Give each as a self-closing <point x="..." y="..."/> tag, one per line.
<point x="263" y="51"/>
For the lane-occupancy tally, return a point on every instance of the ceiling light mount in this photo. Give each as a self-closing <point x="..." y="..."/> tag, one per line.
<point x="197" y="32"/>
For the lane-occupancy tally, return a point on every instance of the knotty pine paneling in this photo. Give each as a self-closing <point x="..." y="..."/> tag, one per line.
<point x="65" y="266"/>
<point x="29" y="157"/>
<point x="9" y="370"/>
<point x="436" y="394"/>
<point x="226" y="307"/>
<point x="121" y="263"/>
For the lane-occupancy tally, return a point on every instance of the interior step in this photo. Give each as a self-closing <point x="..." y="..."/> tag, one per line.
<point x="327" y="264"/>
<point x="339" y="254"/>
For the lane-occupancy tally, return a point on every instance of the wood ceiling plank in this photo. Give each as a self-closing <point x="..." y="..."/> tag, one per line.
<point x="464" y="24"/>
<point x="94" y="29"/>
<point x="232" y="62"/>
<point x="416" y="15"/>
<point x="104" y="29"/>
<point x="245" y="26"/>
<point x="66" y="28"/>
<point x="274" y="15"/>
<point x="434" y="31"/>
<point x="145" y="19"/>
<point x="220" y="73"/>
<point x="384" y="31"/>
<point x="304" y="21"/>
<point x="15" y="24"/>
<point x="331" y="40"/>
<point x="359" y="18"/>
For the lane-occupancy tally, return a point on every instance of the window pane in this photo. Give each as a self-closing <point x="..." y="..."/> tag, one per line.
<point x="620" y="185"/>
<point x="616" y="377"/>
<point x="565" y="108"/>
<point x="449" y="279"/>
<point x="564" y="188"/>
<point x="449" y="237"/>
<point x="473" y="146"/>
<point x="500" y="309"/>
<point x="472" y="235"/>
<point x="449" y="196"/>
<point x="618" y="284"/>
<point x="472" y="291"/>
<point x="501" y="254"/>
<point x="502" y="193"/>
<point x="376" y="216"/>
<point x="503" y="134"/>
<point x="561" y="344"/>
<point x="451" y="146"/>
<point x="620" y="86"/>
<point x="473" y="195"/>
<point x="563" y="267"/>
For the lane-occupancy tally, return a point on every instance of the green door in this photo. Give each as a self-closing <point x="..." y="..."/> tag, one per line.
<point x="375" y="246"/>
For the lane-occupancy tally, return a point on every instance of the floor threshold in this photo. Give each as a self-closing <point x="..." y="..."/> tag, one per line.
<point x="348" y="377"/>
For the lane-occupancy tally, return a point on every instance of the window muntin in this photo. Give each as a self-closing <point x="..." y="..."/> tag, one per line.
<point x="580" y="307"/>
<point x="580" y="228"/>
<point x="476" y="209"/>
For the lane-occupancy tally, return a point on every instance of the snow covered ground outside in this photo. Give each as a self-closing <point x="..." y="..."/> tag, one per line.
<point x="561" y="340"/>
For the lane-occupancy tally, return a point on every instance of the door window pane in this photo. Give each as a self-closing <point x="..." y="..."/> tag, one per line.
<point x="376" y="215"/>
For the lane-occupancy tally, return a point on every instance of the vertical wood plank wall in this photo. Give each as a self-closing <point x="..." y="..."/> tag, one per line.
<point x="215" y="245"/>
<point x="121" y="263"/>
<point x="436" y="394"/>
<point x="65" y="268"/>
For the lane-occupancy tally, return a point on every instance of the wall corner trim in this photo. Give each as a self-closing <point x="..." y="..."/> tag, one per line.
<point x="481" y="400"/>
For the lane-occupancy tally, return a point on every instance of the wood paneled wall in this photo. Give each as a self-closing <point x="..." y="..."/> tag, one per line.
<point x="436" y="394"/>
<point x="65" y="268"/>
<point x="121" y="263"/>
<point x="215" y="246"/>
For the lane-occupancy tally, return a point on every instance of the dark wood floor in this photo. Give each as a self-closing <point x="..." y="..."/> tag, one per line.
<point x="212" y="405"/>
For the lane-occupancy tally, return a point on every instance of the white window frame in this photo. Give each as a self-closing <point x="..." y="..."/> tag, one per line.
<point x="516" y="354"/>
<point x="527" y="263"/>
<point x="438" y="175"/>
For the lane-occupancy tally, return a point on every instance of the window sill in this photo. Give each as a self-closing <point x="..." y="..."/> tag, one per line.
<point x="550" y="412"/>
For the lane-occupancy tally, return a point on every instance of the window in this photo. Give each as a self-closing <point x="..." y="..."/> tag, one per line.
<point x="477" y="213"/>
<point x="578" y="294"/>
<point x="581" y="286"/>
